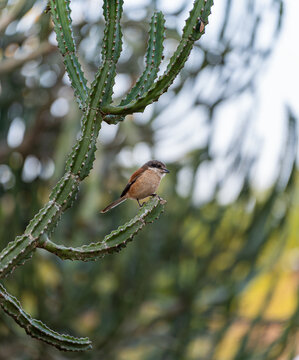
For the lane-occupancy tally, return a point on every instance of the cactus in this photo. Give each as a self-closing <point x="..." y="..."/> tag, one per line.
<point x="96" y="104"/>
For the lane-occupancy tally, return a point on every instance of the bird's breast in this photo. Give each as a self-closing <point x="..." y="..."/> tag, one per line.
<point x="145" y="185"/>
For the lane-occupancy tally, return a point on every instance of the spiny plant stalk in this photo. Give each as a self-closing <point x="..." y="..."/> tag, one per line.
<point x="37" y="329"/>
<point x="96" y="103"/>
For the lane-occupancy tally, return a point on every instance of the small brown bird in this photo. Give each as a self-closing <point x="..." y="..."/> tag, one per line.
<point x="143" y="183"/>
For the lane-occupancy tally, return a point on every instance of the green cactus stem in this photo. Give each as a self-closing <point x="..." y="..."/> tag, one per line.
<point x="113" y="242"/>
<point x="61" y="15"/>
<point x="96" y="104"/>
<point x="153" y="59"/>
<point x="37" y="329"/>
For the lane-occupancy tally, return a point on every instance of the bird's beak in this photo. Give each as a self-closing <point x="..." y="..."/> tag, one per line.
<point x="166" y="171"/>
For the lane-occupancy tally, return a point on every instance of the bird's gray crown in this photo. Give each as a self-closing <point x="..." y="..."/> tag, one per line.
<point x="155" y="164"/>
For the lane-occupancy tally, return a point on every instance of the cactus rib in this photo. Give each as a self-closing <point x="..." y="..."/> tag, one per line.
<point x="37" y="329"/>
<point x="16" y="253"/>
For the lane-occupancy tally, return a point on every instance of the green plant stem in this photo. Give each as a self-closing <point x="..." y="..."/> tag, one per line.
<point x="37" y="329"/>
<point x="113" y="242"/>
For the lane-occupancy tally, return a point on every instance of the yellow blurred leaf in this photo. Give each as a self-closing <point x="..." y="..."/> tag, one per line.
<point x="149" y="311"/>
<point x="136" y="353"/>
<point x="283" y="301"/>
<point x="198" y="348"/>
<point x="29" y="302"/>
<point x="230" y="343"/>
<point x="105" y="285"/>
<point x="48" y="273"/>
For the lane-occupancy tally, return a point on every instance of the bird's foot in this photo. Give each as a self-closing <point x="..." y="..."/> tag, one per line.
<point x="162" y="201"/>
<point x="140" y="205"/>
<point x="154" y="195"/>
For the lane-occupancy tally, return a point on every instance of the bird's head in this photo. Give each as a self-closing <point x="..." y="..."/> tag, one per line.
<point x="157" y="166"/>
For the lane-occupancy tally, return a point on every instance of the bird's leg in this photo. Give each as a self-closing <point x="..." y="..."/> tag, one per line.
<point x="140" y="205"/>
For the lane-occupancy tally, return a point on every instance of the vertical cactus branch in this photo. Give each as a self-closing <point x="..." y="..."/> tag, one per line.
<point x="153" y="59"/>
<point x="96" y="103"/>
<point x="61" y="16"/>
<point x="81" y="158"/>
<point x="112" y="45"/>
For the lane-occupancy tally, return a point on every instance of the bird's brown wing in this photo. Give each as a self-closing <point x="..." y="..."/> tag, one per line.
<point x="133" y="178"/>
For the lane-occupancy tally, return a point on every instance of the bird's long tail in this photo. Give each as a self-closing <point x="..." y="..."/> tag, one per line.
<point x="114" y="204"/>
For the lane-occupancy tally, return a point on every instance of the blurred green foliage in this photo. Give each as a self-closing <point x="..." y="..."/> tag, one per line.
<point x="208" y="280"/>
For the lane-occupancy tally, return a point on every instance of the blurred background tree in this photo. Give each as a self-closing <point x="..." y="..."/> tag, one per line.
<point x="217" y="276"/>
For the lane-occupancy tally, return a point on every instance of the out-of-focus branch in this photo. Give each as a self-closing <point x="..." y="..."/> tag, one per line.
<point x="9" y="17"/>
<point x="31" y="143"/>
<point x="9" y="65"/>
